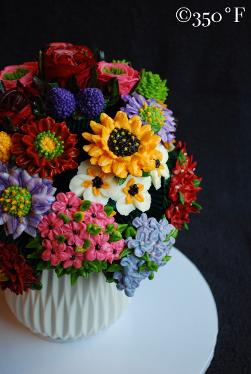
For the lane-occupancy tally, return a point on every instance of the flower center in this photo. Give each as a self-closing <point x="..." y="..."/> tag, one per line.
<point x="157" y="164"/>
<point x="16" y="201"/>
<point x="3" y="277"/>
<point x="97" y="247"/>
<point x="16" y="74"/>
<point x="123" y="143"/>
<point x="48" y="145"/>
<point x="97" y="182"/>
<point x="153" y="116"/>
<point x="114" y="70"/>
<point x="133" y="189"/>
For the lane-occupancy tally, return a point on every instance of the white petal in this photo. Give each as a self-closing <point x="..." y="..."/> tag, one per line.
<point x="146" y="181"/>
<point x="124" y="208"/>
<point x="164" y="152"/>
<point x="76" y="184"/>
<point x="114" y="191"/>
<point x="88" y="195"/>
<point x="145" y="205"/>
<point x="165" y="172"/>
<point x="156" y="179"/>
<point x="82" y="169"/>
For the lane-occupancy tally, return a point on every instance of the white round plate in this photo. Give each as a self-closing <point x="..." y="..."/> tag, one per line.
<point x="170" y="327"/>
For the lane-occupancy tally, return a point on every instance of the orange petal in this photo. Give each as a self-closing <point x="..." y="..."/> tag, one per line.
<point x="105" y="185"/>
<point x="107" y="168"/>
<point x="96" y="191"/>
<point x="87" y="136"/>
<point x="95" y="152"/>
<point x="92" y="172"/>
<point x="87" y="184"/>
<point x="104" y="161"/>
<point x="139" y="197"/>
<point x="96" y="127"/>
<point x="119" y="169"/>
<point x="121" y="120"/>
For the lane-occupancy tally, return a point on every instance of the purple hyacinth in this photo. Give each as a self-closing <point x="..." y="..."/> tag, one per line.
<point x="23" y="201"/>
<point x="130" y="277"/>
<point x="161" y="119"/>
<point x="90" y="102"/>
<point x="61" y="103"/>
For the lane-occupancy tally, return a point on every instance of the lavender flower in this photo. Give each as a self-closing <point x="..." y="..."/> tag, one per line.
<point x="23" y="200"/>
<point x="153" y="113"/>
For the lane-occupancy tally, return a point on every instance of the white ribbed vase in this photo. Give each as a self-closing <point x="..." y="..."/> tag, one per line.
<point x="63" y="312"/>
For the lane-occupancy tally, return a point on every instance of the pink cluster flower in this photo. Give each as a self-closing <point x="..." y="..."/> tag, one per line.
<point x="68" y="236"/>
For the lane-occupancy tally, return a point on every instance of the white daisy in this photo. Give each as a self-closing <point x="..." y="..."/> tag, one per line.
<point x="161" y="168"/>
<point x="133" y="193"/>
<point x="93" y="184"/>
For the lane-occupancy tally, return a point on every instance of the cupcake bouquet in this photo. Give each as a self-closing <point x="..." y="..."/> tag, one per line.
<point x="92" y="178"/>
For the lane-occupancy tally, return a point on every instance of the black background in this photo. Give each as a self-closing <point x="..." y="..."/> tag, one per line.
<point x="207" y="72"/>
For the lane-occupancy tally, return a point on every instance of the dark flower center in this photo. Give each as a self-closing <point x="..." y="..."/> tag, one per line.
<point x="157" y="163"/>
<point x="16" y="201"/>
<point x="94" y="215"/>
<point x="97" y="247"/>
<point x="76" y="232"/>
<point x="133" y="189"/>
<point x="97" y="182"/>
<point x="123" y="143"/>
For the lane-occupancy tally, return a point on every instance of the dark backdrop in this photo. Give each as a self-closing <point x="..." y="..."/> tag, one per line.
<point x="207" y="72"/>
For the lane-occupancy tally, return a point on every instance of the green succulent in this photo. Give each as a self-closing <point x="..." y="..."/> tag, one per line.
<point x="152" y="86"/>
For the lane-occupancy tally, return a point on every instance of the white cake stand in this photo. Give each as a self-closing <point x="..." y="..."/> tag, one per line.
<point x="170" y="328"/>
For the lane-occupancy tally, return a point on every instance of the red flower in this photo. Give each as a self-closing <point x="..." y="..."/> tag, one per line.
<point x="17" y="275"/>
<point x="45" y="147"/>
<point x="127" y="77"/>
<point x="63" y="60"/>
<point x="15" y="105"/>
<point x="183" y="189"/>
<point x="23" y="73"/>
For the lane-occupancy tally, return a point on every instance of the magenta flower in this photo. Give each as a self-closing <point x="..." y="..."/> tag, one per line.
<point x="116" y="248"/>
<point x="50" y="226"/>
<point x="73" y="259"/>
<point x="99" y="248"/>
<point x="66" y="203"/>
<point x="75" y="232"/>
<point x="54" y="252"/>
<point x="96" y="215"/>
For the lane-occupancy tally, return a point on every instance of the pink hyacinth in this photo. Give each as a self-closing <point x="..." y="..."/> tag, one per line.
<point x="99" y="248"/>
<point x="67" y="203"/>
<point x="96" y="215"/>
<point x="75" y="232"/>
<point x="116" y="248"/>
<point x="50" y="226"/>
<point x="73" y="259"/>
<point x="54" y="252"/>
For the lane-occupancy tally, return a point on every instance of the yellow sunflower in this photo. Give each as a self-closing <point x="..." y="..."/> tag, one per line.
<point x="122" y="145"/>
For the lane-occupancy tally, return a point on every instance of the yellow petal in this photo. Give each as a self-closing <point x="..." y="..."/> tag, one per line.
<point x="95" y="151"/>
<point x="139" y="197"/>
<point x="87" y="184"/>
<point x="96" y="127"/>
<point x="121" y="120"/>
<point x="119" y="169"/>
<point x="104" y="161"/>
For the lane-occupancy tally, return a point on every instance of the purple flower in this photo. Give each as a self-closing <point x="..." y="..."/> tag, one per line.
<point x="61" y="103"/>
<point x="130" y="277"/>
<point x="23" y="201"/>
<point x="91" y="102"/>
<point x="153" y="113"/>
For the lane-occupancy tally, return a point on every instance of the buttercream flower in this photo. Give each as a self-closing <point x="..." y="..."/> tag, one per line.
<point x="127" y="77"/>
<point x="161" y="168"/>
<point x="15" y="106"/>
<point x="54" y="252"/>
<point x="95" y="214"/>
<point x="5" y="146"/>
<point x="15" y="273"/>
<point x="23" y="73"/>
<point x="73" y="258"/>
<point x="45" y="147"/>
<point x="93" y="184"/>
<point x="115" y="250"/>
<point x="152" y="86"/>
<point x="75" y="233"/>
<point x="64" y="60"/>
<point x="152" y="113"/>
<point x="122" y="145"/>
<point x="133" y="193"/>
<point x="67" y="203"/>
<point x="99" y="248"/>
<point x="50" y="226"/>
<point x="23" y="201"/>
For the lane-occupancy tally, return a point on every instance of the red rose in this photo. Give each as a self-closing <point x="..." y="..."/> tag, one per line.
<point x="15" y="105"/>
<point x="63" y="60"/>
<point x="127" y="77"/>
<point x="23" y="73"/>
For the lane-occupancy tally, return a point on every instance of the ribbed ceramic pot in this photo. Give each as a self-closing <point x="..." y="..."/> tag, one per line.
<point x="63" y="312"/>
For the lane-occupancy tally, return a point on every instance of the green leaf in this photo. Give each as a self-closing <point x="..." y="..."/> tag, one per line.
<point x="115" y="236"/>
<point x="181" y="197"/>
<point x="125" y="252"/>
<point x="166" y="258"/>
<point x="35" y="243"/>
<point x="197" y="205"/>
<point x="196" y="182"/>
<point x="181" y="157"/>
<point x="108" y="209"/>
<point x="155" y="127"/>
<point x="113" y="268"/>
<point x="151" y="276"/>
<point x="145" y="174"/>
<point x="121" y="181"/>
<point x="74" y="278"/>
<point x="122" y="227"/>
<point x="93" y="229"/>
<point x="186" y="227"/>
<point x="64" y="217"/>
<point x="109" y="228"/>
<point x="130" y="232"/>
<point x="85" y="205"/>
<point x="53" y="84"/>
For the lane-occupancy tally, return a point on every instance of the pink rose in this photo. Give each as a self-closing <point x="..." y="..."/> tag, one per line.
<point x="127" y="77"/>
<point x="23" y="73"/>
